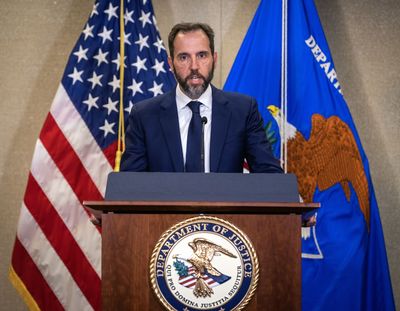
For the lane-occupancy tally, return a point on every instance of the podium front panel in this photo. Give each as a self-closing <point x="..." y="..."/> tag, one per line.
<point x="130" y="239"/>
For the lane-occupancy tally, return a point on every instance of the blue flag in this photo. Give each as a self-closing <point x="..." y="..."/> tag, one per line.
<point x="344" y="261"/>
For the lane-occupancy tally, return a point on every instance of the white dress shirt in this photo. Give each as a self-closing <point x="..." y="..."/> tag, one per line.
<point x="185" y="116"/>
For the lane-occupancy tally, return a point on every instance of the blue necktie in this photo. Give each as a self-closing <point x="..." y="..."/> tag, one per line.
<point x="193" y="150"/>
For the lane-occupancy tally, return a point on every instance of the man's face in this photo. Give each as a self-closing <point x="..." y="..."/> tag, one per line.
<point x="193" y="63"/>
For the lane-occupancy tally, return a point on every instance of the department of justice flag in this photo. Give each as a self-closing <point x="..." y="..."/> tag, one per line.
<point x="344" y="265"/>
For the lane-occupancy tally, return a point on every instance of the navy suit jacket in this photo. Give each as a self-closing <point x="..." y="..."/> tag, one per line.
<point x="153" y="142"/>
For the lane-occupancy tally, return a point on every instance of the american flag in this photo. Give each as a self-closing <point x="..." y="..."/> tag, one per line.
<point x="56" y="261"/>
<point x="189" y="280"/>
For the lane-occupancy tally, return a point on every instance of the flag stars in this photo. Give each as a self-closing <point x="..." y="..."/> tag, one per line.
<point x="95" y="80"/>
<point x="135" y="87"/>
<point x="159" y="45"/>
<point x="128" y="17"/>
<point x="91" y="102"/>
<point x="114" y="83"/>
<point x="111" y="11"/>
<point x="88" y="31"/>
<point x="156" y="89"/>
<point x="117" y="61"/>
<point x="142" y="42"/>
<point x="140" y="64"/>
<point x="145" y="18"/>
<point x="106" y="34"/>
<point x="81" y="53"/>
<point x="129" y="108"/>
<point x="76" y="76"/>
<point x="101" y="57"/>
<point x="155" y="23"/>
<point x="111" y="106"/>
<point x="94" y="10"/>
<point x="158" y="67"/>
<point x="107" y="128"/>
<point x="126" y="38"/>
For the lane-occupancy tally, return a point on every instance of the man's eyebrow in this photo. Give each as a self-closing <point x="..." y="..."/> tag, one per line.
<point x="186" y="53"/>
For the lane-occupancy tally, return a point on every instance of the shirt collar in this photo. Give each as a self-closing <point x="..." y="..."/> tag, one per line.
<point x="182" y="99"/>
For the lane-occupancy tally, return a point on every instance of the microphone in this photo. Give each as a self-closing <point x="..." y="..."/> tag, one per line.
<point x="203" y="123"/>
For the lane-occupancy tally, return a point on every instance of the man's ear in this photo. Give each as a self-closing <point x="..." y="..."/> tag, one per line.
<point x="170" y="62"/>
<point x="215" y="56"/>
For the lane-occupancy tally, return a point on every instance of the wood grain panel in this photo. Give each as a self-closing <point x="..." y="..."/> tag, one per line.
<point x="128" y="241"/>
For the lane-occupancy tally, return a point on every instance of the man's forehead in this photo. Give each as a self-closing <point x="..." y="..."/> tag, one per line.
<point x="192" y="33"/>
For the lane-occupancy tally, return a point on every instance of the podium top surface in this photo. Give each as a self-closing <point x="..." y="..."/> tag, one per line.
<point x="201" y="187"/>
<point x="190" y="207"/>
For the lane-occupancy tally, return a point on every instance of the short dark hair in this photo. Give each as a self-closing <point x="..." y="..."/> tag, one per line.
<point x="189" y="27"/>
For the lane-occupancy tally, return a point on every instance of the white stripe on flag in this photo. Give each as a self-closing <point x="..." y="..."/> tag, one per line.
<point x="67" y="205"/>
<point x="80" y="138"/>
<point x="58" y="277"/>
<point x="190" y="281"/>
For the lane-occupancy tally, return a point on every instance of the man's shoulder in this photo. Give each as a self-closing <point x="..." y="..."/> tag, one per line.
<point x="232" y="96"/>
<point x="154" y="102"/>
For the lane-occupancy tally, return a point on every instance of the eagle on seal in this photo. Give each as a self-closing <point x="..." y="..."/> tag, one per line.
<point x="203" y="253"/>
<point x="330" y="156"/>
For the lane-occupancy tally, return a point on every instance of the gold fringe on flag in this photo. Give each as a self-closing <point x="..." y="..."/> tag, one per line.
<point x="22" y="290"/>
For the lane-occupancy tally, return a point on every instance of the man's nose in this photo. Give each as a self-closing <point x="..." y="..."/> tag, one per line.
<point x="194" y="63"/>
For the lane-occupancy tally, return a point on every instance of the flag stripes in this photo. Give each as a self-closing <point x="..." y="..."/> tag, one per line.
<point x="79" y="136"/>
<point x="24" y="268"/>
<point x="79" y="264"/>
<point x="67" y="205"/>
<point x="62" y="153"/>
<point x="58" y="236"/>
<point x="37" y="245"/>
<point x="189" y="281"/>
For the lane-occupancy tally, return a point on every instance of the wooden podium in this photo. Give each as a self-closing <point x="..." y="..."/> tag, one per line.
<point x="131" y="229"/>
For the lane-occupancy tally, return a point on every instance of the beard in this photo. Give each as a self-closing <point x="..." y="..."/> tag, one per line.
<point x="194" y="91"/>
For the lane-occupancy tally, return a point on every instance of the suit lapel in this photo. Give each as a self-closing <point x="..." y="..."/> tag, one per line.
<point x="219" y="127"/>
<point x="170" y="126"/>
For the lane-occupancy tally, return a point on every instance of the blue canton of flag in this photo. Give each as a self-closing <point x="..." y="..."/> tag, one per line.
<point x="344" y="264"/>
<point x="92" y="74"/>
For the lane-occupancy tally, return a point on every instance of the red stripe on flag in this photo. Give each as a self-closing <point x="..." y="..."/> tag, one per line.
<point x="110" y="151"/>
<point x="189" y="283"/>
<point x="68" y="161"/>
<point x="63" y="242"/>
<point x="33" y="280"/>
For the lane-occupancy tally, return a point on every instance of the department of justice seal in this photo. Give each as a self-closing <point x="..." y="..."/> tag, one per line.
<point x="204" y="263"/>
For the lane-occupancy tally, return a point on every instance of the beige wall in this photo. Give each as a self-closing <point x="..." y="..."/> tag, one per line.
<point x="37" y="37"/>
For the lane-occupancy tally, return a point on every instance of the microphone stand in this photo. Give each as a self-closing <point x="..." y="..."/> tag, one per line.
<point x="203" y="123"/>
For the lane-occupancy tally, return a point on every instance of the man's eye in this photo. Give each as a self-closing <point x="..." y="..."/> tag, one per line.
<point x="202" y="55"/>
<point x="183" y="58"/>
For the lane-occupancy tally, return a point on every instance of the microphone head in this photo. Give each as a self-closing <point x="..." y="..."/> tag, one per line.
<point x="204" y="120"/>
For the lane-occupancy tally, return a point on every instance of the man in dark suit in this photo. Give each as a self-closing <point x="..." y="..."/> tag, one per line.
<point x="196" y="127"/>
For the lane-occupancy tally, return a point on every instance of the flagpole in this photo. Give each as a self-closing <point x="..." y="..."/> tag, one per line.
<point x="283" y="119"/>
<point x="121" y="125"/>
